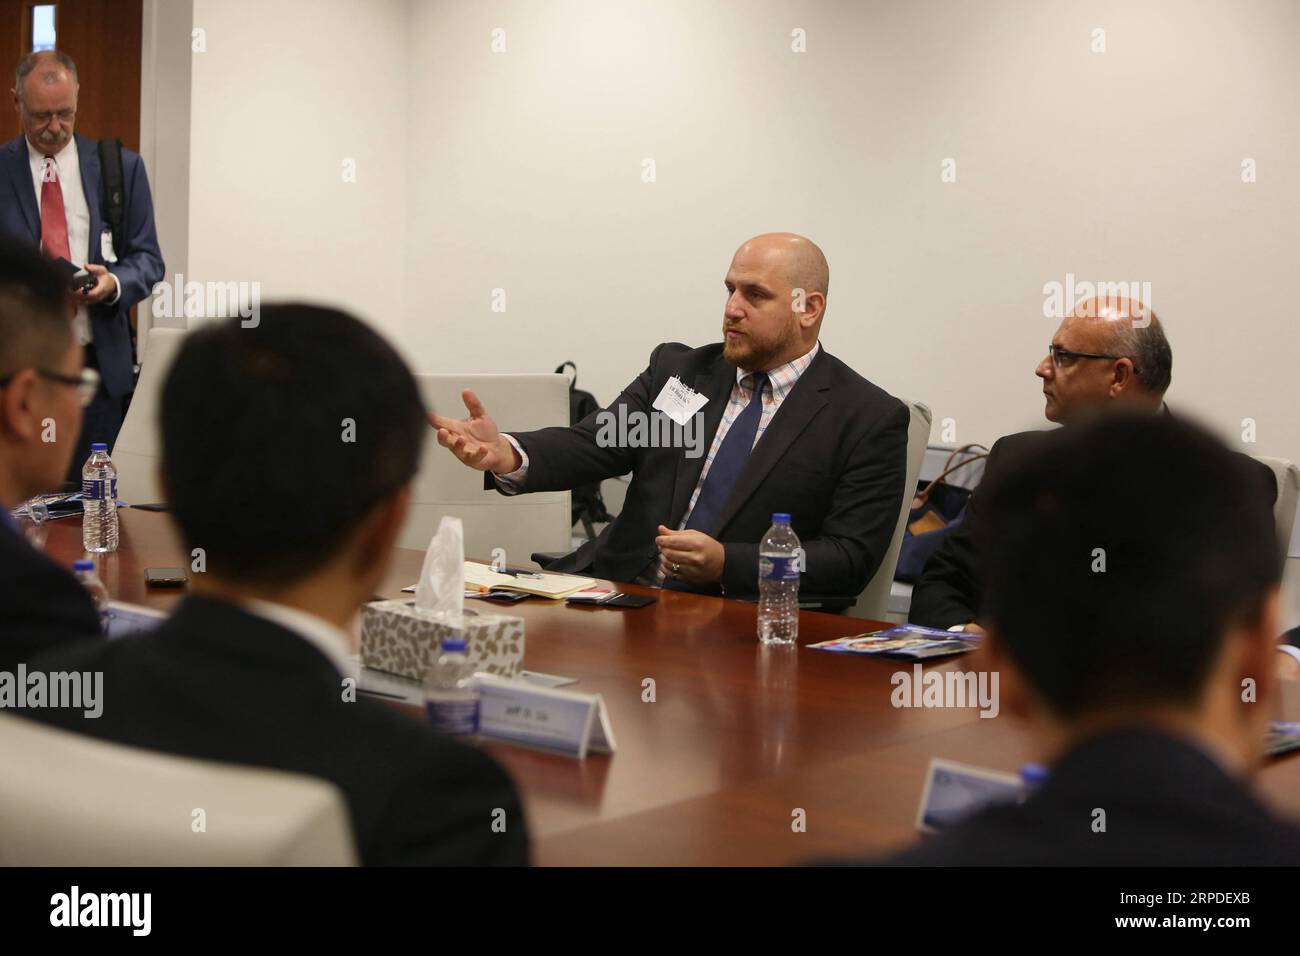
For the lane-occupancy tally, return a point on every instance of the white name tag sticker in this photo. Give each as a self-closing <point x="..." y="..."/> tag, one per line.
<point x="535" y="716"/>
<point x="679" y="401"/>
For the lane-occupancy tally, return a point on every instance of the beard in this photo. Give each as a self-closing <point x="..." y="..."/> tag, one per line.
<point x="752" y="354"/>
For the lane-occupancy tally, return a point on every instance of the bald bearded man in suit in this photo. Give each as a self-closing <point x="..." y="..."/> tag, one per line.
<point x="787" y="428"/>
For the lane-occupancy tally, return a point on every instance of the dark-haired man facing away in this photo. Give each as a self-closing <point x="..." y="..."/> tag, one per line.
<point x="298" y="524"/>
<point x="1132" y="678"/>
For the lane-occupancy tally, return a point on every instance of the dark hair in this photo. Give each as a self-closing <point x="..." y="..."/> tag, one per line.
<point x="1189" y="545"/>
<point x="255" y="424"/>
<point x="1148" y="348"/>
<point x="35" y="321"/>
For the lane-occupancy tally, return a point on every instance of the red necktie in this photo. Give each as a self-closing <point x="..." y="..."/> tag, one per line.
<point x="54" y="222"/>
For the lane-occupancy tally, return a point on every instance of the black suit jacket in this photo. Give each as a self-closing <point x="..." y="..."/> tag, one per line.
<point x="1166" y="804"/>
<point x="833" y="457"/>
<point x="951" y="585"/>
<point x="41" y="604"/>
<point x="218" y="683"/>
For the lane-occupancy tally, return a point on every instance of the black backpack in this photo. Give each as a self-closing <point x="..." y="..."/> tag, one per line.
<point x="112" y="189"/>
<point x="587" y="504"/>
<point x="112" y="203"/>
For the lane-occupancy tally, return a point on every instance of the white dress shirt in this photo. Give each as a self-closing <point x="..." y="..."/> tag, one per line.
<point x="77" y="212"/>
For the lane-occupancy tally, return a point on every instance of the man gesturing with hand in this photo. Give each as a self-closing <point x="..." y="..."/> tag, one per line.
<point x="786" y="427"/>
<point x="476" y="440"/>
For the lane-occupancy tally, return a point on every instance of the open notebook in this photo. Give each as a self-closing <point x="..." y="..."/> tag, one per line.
<point x="543" y="584"/>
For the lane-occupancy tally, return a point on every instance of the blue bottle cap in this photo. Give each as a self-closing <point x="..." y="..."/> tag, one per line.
<point x="453" y="643"/>
<point x="1032" y="774"/>
<point x="98" y="446"/>
<point x="780" y="518"/>
<point x="83" y="564"/>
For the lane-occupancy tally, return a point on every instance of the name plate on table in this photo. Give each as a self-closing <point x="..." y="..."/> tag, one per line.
<point x="956" y="790"/>
<point x="546" y="717"/>
<point x="121" y="619"/>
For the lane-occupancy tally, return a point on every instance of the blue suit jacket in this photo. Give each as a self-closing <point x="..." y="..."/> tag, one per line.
<point x="139" y="262"/>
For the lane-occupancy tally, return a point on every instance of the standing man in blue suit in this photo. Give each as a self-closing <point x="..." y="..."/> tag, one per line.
<point x="52" y="187"/>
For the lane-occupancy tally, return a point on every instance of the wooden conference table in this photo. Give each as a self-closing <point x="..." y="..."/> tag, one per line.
<point x="738" y="738"/>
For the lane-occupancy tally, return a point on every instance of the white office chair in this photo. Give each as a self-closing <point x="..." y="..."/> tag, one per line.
<point x="1288" y="492"/>
<point x="519" y="525"/>
<point x="139" y="445"/>
<point x="71" y="800"/>
<point x="873" y="602"/>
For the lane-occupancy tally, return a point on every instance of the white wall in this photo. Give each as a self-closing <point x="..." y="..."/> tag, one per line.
<point x="1124" y="165"/>
<point x="165" y="104"/>
<point x="522" y="171"/>
<point x="284" y="94"/>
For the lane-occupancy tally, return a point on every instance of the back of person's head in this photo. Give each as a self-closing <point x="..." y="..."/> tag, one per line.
<point x="1120" y="557"/>
<point x="279" y="439"/>
<point x="35" y="326"/>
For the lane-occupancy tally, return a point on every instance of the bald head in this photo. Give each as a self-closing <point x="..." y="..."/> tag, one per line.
<point x="1108" y="349"/>
<point x="1112" y="309"/>
<point x="44" y="68"/>
<point x="800" y="261"/>
<point x="1130" y="329"/>
<point x="45" y="96"/>
<point x="776" y="297"/>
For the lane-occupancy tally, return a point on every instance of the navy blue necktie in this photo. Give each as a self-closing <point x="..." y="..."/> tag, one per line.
<point x="729" y="462"/>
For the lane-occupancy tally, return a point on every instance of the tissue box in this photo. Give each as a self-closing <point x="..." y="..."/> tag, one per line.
<point x="401" y="639"/>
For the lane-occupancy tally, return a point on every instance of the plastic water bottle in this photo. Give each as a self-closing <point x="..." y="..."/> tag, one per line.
<point x="84" y="569"/>
<point x="99" y="501"/>
<point x="450" y="693"/>
<point x="779" y="556"/>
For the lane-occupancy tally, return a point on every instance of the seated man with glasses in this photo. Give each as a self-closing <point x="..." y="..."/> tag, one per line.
<point x="1109" y="353"/>
<point x="43" y="389"/>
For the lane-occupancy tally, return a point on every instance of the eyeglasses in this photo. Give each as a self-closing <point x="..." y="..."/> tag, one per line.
<point x="87" y="382"/>
<point x="43" y="118"/>
<point x="1061" y="357"/>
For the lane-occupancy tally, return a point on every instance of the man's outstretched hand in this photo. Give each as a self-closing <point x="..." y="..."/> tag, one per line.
<point x="475" y="440"/>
